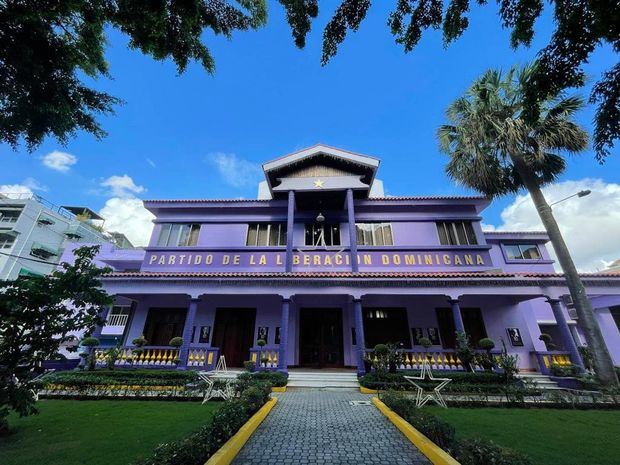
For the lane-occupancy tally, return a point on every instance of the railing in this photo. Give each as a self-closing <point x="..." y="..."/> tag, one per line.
<point x="203" y="357"/>
<point x="117" y="319"/>
<point x="555" y="357"/>
<point x="265" y="358"/>
<point x="439" y="359"/>
<point x="150" y="356"/>
<point x="158" y="357"/>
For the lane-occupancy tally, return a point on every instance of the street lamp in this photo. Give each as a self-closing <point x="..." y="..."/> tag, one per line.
<point x="578" y="194"/>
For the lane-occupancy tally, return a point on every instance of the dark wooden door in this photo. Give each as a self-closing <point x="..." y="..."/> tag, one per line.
<point x="386" y="325"/>
<point x="162" y="324"/>
<point x="472" y="321"/>
<point x="234" y="333"/>
<point x="320" y="338"/>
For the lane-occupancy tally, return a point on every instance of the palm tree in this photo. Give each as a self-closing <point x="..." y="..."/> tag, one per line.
<point x="496" y="148"/>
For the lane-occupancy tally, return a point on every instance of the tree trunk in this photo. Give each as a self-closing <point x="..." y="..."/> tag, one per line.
<point x="602" y="361"/>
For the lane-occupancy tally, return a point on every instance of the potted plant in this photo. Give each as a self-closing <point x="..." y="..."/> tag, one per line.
<point x="111" y="356"/>
<point x="426" y="343"/>
<point x="548" y="340"/>
<point x="486" y="360"/>
<point x="139" y="343"/>
<point x="263" y="360"/>
<point x="464" y="350"/>
<point x="91" y="343"/>
<point x="176" y="342"/>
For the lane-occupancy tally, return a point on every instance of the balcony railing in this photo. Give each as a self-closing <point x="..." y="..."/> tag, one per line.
<point x="265" y="358"/>
<point x="202" y="358"/>
<point x="439" y="359"/>
<point x="555" y="357"/>
<point x="117" y="319"/>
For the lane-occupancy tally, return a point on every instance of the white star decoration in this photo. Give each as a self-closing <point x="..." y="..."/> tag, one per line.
<point x="318" y="183"/>
<point x="421" y="397"/>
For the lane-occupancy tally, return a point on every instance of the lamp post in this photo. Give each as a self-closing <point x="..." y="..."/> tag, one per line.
<point x="578" y="194"/>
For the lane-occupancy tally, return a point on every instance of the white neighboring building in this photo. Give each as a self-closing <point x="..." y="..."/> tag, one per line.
<point x="35" y="232"/>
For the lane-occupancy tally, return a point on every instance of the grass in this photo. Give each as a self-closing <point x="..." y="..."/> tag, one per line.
<point x="98" y="432"/>
<point x="548" y="436"/>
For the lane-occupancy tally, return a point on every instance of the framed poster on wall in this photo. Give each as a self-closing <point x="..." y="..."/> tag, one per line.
<point x="205" y="334"/>
<point x="433" y="335"/>
<point x="514" y="334"/>
<point x="263" y="333"/>
<point x="416" y="335"/>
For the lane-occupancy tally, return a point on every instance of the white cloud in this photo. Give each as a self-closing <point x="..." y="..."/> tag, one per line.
<point x="59" y="161"/>
<point x="34" y="185"/>
<point x="235" y="171"/>
<point x="151" y="162"/>
<point x="128" y="216"/>
<point x="122" y="186"/>
<point x="590" y="225"/>
<point x="14" y="190"/>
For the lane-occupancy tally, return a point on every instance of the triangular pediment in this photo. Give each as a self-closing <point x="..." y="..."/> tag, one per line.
<point x="320" y="161"/>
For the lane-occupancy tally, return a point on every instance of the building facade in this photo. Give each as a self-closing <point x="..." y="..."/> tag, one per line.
<point x="323" y="266"/>
<point x="34" y="233"/>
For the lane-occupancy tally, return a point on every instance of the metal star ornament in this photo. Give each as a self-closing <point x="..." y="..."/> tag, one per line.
<point x="318" y="183"/>
<point x="422" y="397"/>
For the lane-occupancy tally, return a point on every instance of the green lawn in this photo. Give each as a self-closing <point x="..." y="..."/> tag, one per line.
<point x="548" y="436"/>
<point x="105" y="432"/>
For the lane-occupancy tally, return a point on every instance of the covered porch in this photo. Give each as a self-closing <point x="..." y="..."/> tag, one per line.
<point x="307" y="324"/>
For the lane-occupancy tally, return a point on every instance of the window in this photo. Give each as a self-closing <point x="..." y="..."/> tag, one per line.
<point x="9" y="215"/>
<point x="119" y="315"/>
<point x="322" y="234"/>
<point x="456" y="233"/>
<point x="522" y="252"/>
<point x="6" y="240"/>
<point x="178" y="235"/>
<point x="266" y="234"/>
<point x="374" y="234"/>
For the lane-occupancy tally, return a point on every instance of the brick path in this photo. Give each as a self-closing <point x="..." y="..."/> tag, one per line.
<point x="320" y="427"/>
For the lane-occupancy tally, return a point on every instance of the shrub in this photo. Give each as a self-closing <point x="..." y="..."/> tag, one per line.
<point x="564" y="371"/>
<point x="261" y="343"/>
<point x="464" y="350"/>
<point x="486" y="344"/>
<point x="588" y="358"/>
<point x="275" y="378"/>
<point x="249" y="366"/>
<point x="508" y="363"/>
<point x="425" y="342"/>
<point x="478" y="451"/>
<point x="139" y="341"/>
<point x="437" y="430"/>
<point x="90" y="341"/>
<point x="176" y="342"/>
<point x="548" y="340"/>
<point x="91" y="379"/>
<point x="202" y="444"/>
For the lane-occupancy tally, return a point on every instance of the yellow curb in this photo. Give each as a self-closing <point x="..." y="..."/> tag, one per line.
<point x="365" y="390"/>
<point x="278" y="389"/>
<point x="433" y="452"/>
<point x="227" y="453"/>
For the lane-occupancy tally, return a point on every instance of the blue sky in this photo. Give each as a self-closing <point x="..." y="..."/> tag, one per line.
<point x="268" y="98"/>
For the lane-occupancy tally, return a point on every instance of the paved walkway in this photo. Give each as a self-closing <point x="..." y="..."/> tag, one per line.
<point x="321" y="427"/>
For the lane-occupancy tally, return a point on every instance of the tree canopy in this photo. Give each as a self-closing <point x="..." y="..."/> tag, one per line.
<point x="487" y="129"/>
<point x="47" y="46"/>
<point x="37" y="314"/>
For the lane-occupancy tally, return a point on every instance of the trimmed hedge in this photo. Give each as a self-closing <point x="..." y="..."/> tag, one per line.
<point x="468" y="452"/>
<point x="275" y="378"/>
<point x="85" y="379"/>
<point x="202" y="444"/>
<point x="462" y="382"/>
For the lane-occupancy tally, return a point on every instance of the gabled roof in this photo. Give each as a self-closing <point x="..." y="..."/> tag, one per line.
<point x="345" y="164"/>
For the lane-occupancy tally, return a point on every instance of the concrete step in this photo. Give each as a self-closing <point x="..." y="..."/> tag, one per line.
<point x="540" y="381"/>
<point x="322" y="379"/>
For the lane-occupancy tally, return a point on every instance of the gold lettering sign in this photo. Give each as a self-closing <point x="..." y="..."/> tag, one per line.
<point x="317" y="259"/>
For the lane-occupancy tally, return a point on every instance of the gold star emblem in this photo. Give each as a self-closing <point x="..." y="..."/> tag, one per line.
<point x="318" y="183"/>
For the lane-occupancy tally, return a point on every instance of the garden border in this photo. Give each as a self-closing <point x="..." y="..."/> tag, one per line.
<point x="431" y="450"/>
<point x="229" y="450"/>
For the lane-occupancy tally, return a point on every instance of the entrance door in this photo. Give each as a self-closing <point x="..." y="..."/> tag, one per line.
<point x="320" y="338"/>
<point x="386" y="325"/>
<point x="233" y="333"/>
<point x="162" y="324"/>
<point x="472" y="321"/>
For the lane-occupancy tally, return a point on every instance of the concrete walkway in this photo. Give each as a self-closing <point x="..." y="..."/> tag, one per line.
<point x="311" y="426"/>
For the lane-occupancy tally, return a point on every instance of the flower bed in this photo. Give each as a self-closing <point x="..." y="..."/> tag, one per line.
<point x="276" y="379"/>
<point x="202" y="444"/>
<point x="474" y="451"/>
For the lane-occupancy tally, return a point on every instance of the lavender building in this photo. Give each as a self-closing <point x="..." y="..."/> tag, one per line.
<point x="323" y="266"/>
